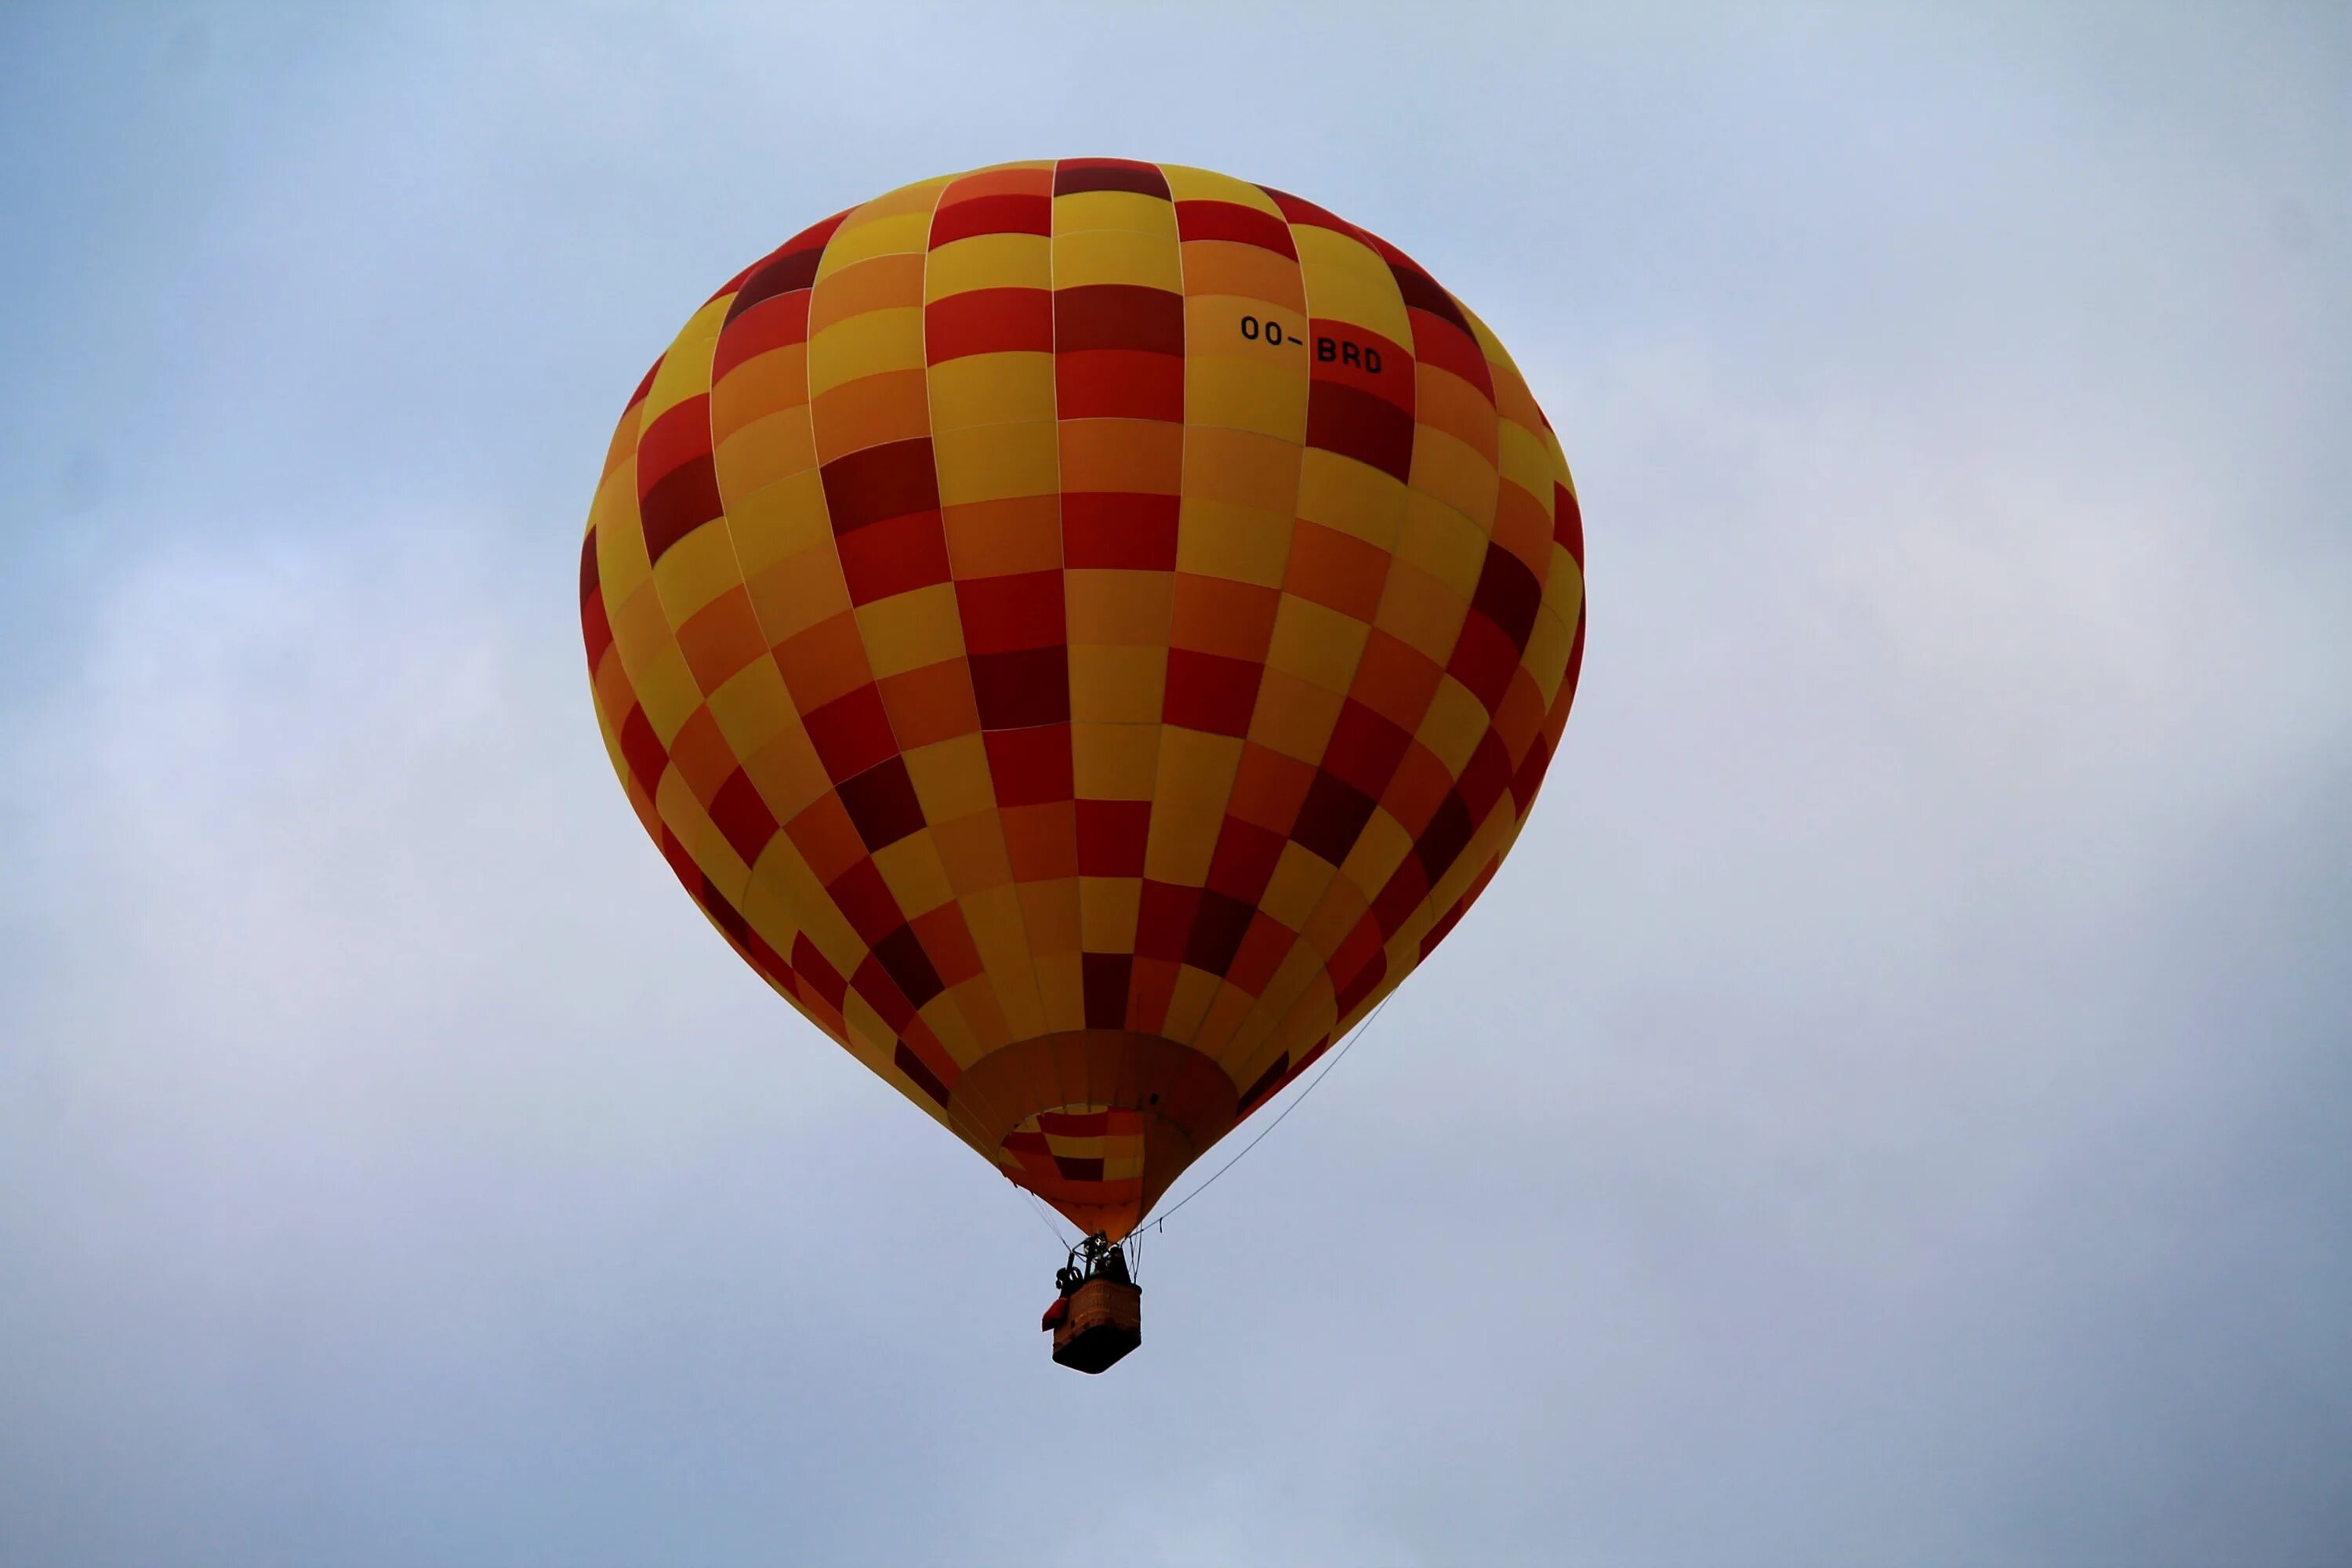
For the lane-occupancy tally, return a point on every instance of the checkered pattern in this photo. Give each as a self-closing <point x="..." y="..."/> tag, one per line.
<point x="1075" y="687"/>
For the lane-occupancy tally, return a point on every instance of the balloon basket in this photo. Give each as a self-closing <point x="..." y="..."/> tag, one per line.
<point x="1104" y="1322"/>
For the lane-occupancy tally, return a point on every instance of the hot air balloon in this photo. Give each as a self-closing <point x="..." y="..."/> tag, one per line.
<point x="1084" y="631"/>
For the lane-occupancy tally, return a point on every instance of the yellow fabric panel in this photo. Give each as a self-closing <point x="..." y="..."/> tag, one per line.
<point x="1094" y="256"/>
<point x="1547" y="655"/>
<point x="898" y="223"/>
<point x="668" y="693"/>
<point x="1342" y="493"/>
<point x="695" y="570"/>
<point x="1001" y="931"/>
<point x="947" y="1018"/>
<point x="1420" y="612"/>
<point x="1194" y="990"/>
<point x="1346" y="281"/>
<point x="1107" y="911"/>
<point x="1115" y="761"/>
<point x="1224" y="1016"/>
<point x="1240" y="543"/>
<point x="778" y="522"/>
<point x="1194" y="779"/>
<point x="989" y="261"/>
<point x="752" y="709"/>
<point x="1316" y="643"/>
<point x="1297" y="883"/>
<point x="1010" y="388"/>
<point x="1119" y="685"/>
<point x="1190" y="184"/>
<point x="686" y="366"/>
<point x="1453" y="724"/>
<point x="866" y="346"/>
<point x="800" y="591"/>
<point x="1526" y="463"/>
<point x="1449" y="472"/>
<point x="995" y="462"/>
<point x="616" y="542"/>
<point x="785" y="768"/>
<point x="1229" y="392"/>
<point x="768" y="450"/>
<point x="907" y="631"/>
<point x="1443" y="543"/>
<point x="951" y="777"/>
<point x="1113" y="212"/>
<point x="1379" y="850"/>
<point x="917" y="878"/>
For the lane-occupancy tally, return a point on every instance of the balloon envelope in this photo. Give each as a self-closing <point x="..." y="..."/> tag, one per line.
<point x="1084" y="632"/>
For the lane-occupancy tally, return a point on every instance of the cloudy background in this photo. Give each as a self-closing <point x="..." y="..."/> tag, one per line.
<point x="1895" y="1108"/>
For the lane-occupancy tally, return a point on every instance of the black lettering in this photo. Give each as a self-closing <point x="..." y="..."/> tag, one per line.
<point x="1325" y="349"/>
<point x="1350" y="355"/>
<point x="1372" y="361"/>
<point x="1274" y="332"/>
<point x="1249" y="327"/>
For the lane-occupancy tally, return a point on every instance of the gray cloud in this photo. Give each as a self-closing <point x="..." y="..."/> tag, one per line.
<point x="1893" y="1107"/>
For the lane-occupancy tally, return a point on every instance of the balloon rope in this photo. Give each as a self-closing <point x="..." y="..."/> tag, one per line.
<point x="1348" y="1046"/>
<point x="1051" y="1229"/>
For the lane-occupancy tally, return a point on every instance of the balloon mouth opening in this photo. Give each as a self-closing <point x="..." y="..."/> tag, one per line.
<point x="1097" y="1122"/>
<point x="1100" y="1167"/>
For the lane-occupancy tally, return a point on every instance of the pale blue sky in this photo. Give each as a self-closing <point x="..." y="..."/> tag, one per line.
<point x="1894" y="1106"/>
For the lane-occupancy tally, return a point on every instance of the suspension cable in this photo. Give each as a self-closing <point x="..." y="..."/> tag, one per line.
<point x="1051" y="1229"/>
<point x="1346" y="1046"/>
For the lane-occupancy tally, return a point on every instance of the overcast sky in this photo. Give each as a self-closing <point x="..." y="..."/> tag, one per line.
<point x="1894" y="1106"/>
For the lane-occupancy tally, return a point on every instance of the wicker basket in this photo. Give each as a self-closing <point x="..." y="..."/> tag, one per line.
<point x="1105" y="1322"/>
